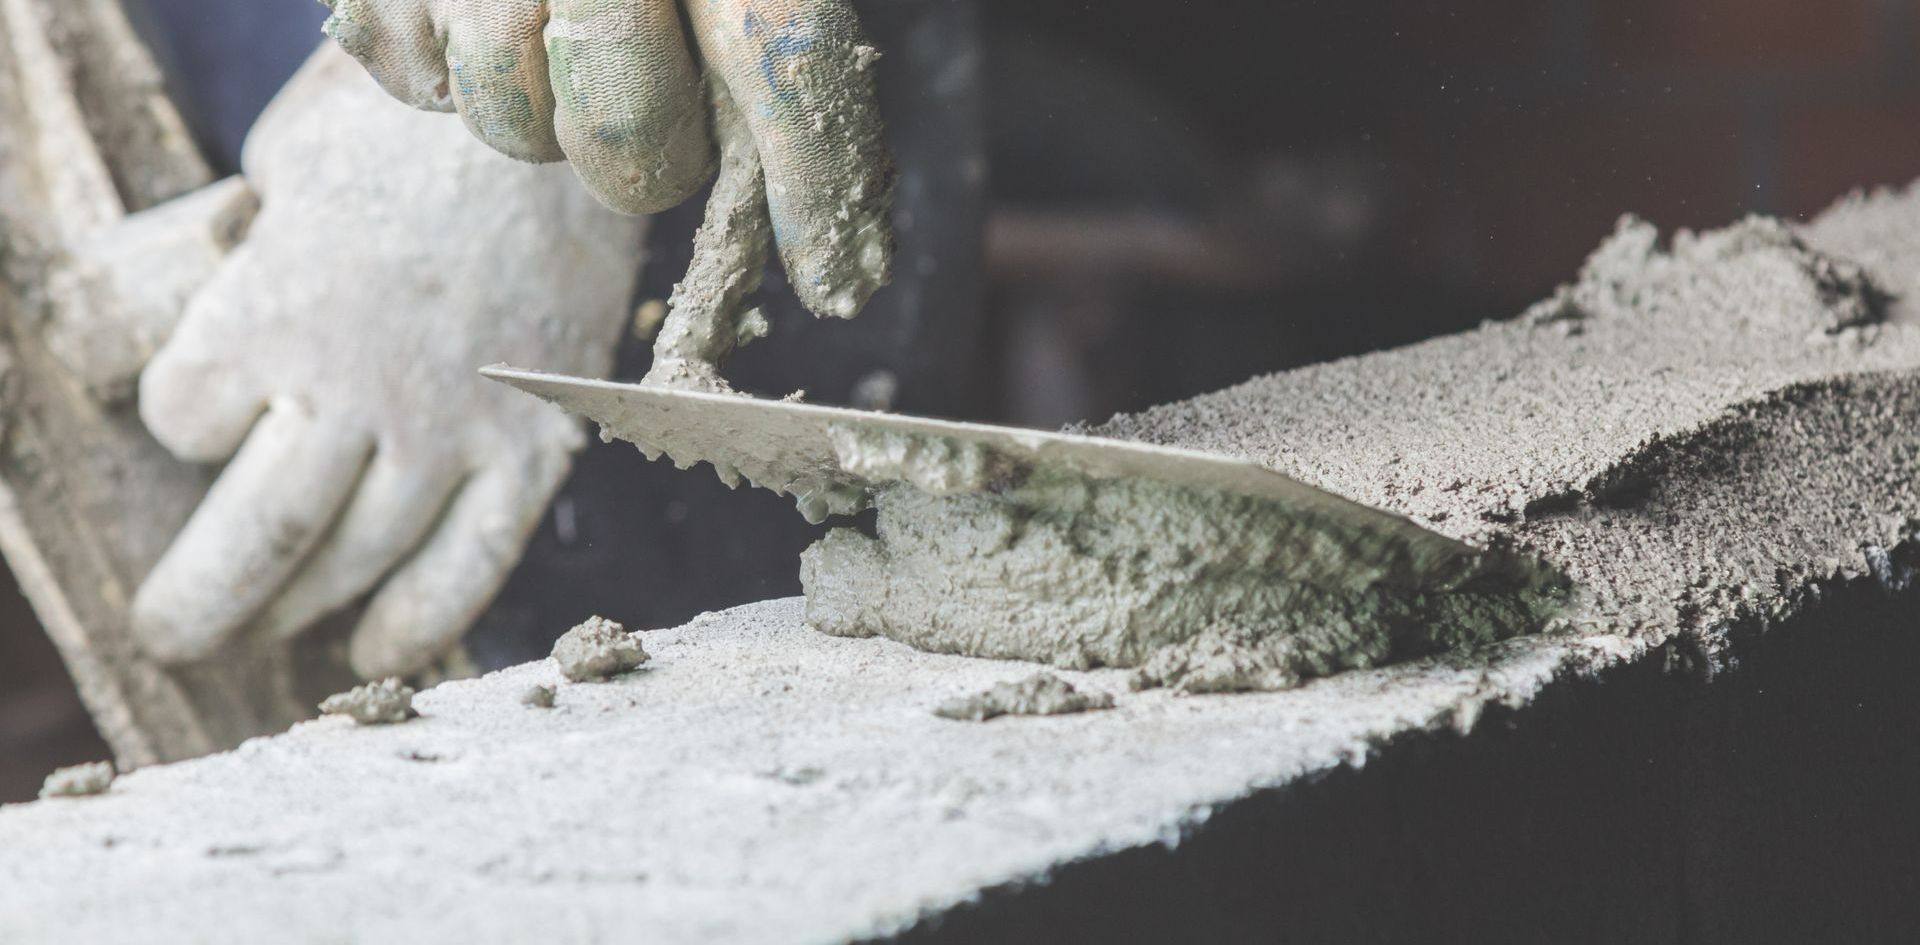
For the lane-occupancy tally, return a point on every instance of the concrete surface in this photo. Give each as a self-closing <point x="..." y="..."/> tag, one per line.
<point x="759" y="782"/>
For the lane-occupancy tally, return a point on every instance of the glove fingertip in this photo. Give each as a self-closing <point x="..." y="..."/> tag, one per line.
<point x="166" y="627"/>
<point x="837" y="271"/>
<point x="197" y="412"/>
<point x="404" y="60"/>
<point x="376" y="650"/>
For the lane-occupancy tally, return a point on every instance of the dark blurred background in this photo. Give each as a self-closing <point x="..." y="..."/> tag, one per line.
<point x="1180" y="195"/>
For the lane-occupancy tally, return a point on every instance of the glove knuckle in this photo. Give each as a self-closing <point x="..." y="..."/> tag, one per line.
<point x="631" y="106"/>
<point x="497" y="68"/>
<point x="398" y="43"/>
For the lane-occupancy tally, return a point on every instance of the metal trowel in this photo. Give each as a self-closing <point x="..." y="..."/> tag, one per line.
<point x="823" y="456"/>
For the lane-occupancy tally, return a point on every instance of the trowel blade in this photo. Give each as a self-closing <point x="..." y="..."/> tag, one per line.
<point x="790" y="447"/>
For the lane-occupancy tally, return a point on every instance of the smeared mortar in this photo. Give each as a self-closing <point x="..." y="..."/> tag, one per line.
<point x="1695" y="434"/>
<point x="1205" y="590"/>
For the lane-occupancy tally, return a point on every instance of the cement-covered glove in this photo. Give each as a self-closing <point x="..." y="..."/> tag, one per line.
<point x="333" y="357"/>
<point x="616" y="87"/>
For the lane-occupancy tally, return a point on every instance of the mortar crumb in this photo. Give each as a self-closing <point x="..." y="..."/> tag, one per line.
<point x="597" y="650"/>
<point x="85" y="780"/>
<point x="387" y="702"/>
<point x="1041" y="694"/>
<point x="539" y="697"/>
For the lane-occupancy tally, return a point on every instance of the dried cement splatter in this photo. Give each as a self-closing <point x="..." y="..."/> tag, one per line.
<point x="387" y="702"/>
<point x="1040" y="694"/>
<point x="596" y="650"/>
<point x="85" y="780"/>
<point x="538" y="697"/>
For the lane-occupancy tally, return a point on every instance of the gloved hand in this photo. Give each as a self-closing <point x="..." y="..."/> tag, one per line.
<point x="613" y="86"/>
<point x="333" y="357"/>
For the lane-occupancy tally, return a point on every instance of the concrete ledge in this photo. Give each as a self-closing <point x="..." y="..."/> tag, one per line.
<point x="1774" y="805"/>
<point x="762" y="782"/>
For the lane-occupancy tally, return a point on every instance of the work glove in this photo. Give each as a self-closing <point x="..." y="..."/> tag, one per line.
<point x="331" y="362"/>
<point x="615" y="87"/>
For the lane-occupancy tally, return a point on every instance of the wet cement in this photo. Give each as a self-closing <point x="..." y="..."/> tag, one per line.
<point x="1691" y="434"/>
<point x="1694" y="433"/>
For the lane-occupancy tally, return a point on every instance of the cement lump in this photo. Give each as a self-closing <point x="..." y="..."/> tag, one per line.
<point x="1039" y="694"/>
<point x="1195" y="589"/>
<point x="538" y="697"/>
<point x="386" y="702"/>
<point x="598" y="649"/>
<point x="84" y="780"/>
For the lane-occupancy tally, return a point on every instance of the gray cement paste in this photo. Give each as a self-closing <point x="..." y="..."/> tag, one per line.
<point x="1690" y="433"/>
<point x="1694" y="434"/>
<point x="1199" y="589"/>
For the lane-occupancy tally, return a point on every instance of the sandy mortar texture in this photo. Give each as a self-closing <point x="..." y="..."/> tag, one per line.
<point x="1694" y="434"/>
<point x="762" y="783"/>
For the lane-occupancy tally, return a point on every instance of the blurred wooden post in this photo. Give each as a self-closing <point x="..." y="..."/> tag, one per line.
<point x="87" y="500"/>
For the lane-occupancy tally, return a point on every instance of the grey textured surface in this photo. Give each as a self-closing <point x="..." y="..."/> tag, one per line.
<point x="1695" y="433"/>
<point x="761" y="782"/>
<point x="1699" y="440"/>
